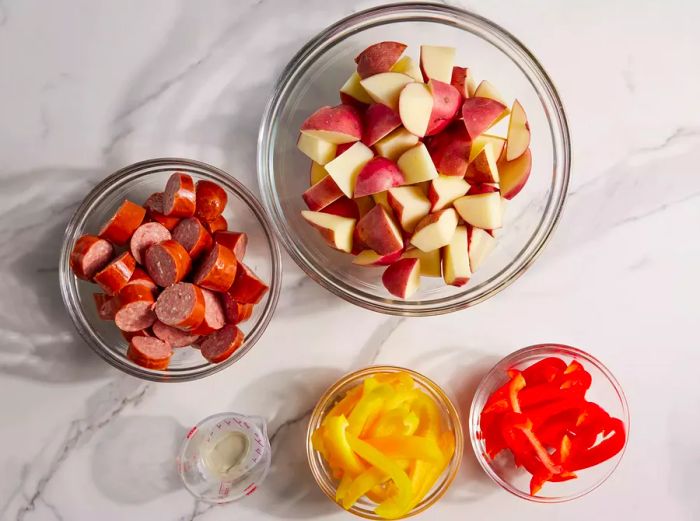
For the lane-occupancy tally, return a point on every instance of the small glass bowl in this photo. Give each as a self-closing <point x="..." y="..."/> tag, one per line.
<point x="136" y="183"/>
<point x="605" y="391"/>
<point x="322" y="474"/>
<point x="312" y="79"/>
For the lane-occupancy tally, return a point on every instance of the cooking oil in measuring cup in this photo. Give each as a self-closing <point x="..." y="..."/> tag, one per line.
<point x="225" y="457"/>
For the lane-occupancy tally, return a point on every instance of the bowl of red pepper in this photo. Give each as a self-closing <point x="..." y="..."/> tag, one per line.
<point x="549" y="423"/>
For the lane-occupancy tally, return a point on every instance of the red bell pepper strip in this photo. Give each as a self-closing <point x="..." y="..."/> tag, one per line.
<point x="544" y="371"/>
<point x="574" y="377"/>
<point x="554" y="429"/>
<point x="517" y="383"/>
<point x="541" y="414"/>
<point x="591" y="422"/>
<point x="583" y="458"/>
<point x="517" y="432"/>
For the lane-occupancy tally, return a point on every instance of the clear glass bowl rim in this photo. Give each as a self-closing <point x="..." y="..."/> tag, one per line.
<point x="514" y="358"/>
<point x="506" y="43"/>
<point x="68" y="287"/>
<point x="325" y="482"/>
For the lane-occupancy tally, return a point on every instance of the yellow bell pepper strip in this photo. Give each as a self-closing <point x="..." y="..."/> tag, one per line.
<point x="430" y="419"/>
<point x="317" y="441"/>
<point x="397" y="380"/>
<point x="362" y="484"/>
<point x="408" y="447"/>
<point x="337" y="444"/>
<point x="346" y="404"/>
<point x="343" y="486"/>
<point x="381" y="493"/>
<point x="386" y="466"/>
<point x="446" y="441"/>
<point x="368" y="408"/>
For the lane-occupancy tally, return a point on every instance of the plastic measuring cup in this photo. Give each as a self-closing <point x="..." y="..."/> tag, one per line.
<point x="225" y="457"/>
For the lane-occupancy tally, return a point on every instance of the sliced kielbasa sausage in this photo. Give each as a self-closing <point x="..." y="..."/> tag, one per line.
<point x="237" y="242"/>
<point x="154" y="211"/>
<point x="179" y="198"/>
<point x="173" y="336"/>
<point x="90" y="254"/>
<point x="218" y="346"/>
<point x="218" y="269"/>
<point x="211" y="200"/>
<point x="181" y="306"/>
<point x="116" y="274"/>
<point x="106" y="306"/>
<point x="193" y="236"/>
<point x="247" y="288"/>
<point x="167" y="263"/>
<point x="235" y="312"/>
<point x="214" y="318"/>
<point x="123" y="223"/>
<point x="217" y="225"/>
<point x="141" y="277"/>
<point x="149" y="352"/>
<point x="135" y="308"/>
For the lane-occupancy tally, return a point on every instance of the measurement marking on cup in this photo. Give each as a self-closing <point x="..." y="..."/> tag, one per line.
<point x="192" y="431"/>
<point x="246" y="425"/>
<point x="250" y="489"/>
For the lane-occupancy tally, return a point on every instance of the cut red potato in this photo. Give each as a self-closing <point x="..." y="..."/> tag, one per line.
<point x="514" y="174"/>
<point x="322" y="194"/>
<point x="481" y="210"/>
<point x="449" y="150"/>
<point x="483" y="169"/>
<point x="339" y="124"/>
<point x="379" y="232"/>
<point x="444" y="190"/>
<point x="396" y="143"/>
<point x="417" y="165"/>
<point x="463" y="81"/>
<point x="214" y="317"/>
<point x="135" y="311"/>
<point x="237" y="242"/>
<point x="455" y="259"/>
<point x="407" y="66"/>
<point x="154" y="211"/>
<point x="123" y="223"/>
<point x="386" y="87"/>
<point x="364" y="205"/>
<point x="90" y="255"/>
<point x="116" y="274"/>
<point x="167" y="263"/>
<point x="106" y="305"/>
<point x="446" y="103"/>
<point x="402" y="278"/>
<point x="316" y="149"/>
<point x="430" y="261"/>
<point x="372" y="258"/>
<point x="343" y="207"/>
<point x="173" y="336"/>
<point x="481" y="244"/>
<point x="218" y="269"/>
<point x="378" y="175"/>
<point x="435" y="230"/>
<point x="235" y="312"/>
<point x="483" y="188"/>
<point x="335" y="230"/>
<point x="181" y="306"/>
<point x="480" y="114"/>
<point x="415" y="108"/>
<point x="379" y="120"/>
<point x="220" y="345"/>
<point x="146" y="236"/>
<point x="193" y="236"/>
<point x="382" y="199"/>
<point x="247" y="288"/>
<point x="497" y="144"/>
<point x="379" y="57"/>
<point x="316" y="173"/>
<point x="217" y="225"/>
<point x="487" y="90"/>
<point x="436" y="62"/>
<point x="352" y="93"/>
<point x="179" y="196"/>
<point x="211" y="199"/>
<point x="518" y="139"/>
<point x="409" y="204"/>
<point x="149" y="352"/>
<point x="357" y="244"/>
<point x="345" y="168"/>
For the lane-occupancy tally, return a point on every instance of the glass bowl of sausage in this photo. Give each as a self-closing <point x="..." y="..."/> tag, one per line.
<point x="169" y="270"/>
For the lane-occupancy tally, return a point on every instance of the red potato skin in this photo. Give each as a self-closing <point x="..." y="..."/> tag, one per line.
<point x="459" y="80"/>
<point x="369" y="228"/>
<point x="379" y="57"/>
<point x="322" y="194"/>
<point x="378" y="174"/>
<point x="479" y="114"/>
<point x="204" y="239"/>
<point x="514" y="174"/>
<point x="346" y="99"/>
<point x="237" y="242"/>
<point x="379" y="120"/>
<point x="81" y="249"/>
<point x="211" y="200"/>
<point x="341" y="118"/>
<point x="221" y="274"/>
<point x="217" y="225"/>
<point x="123" y="223"/>
<point x="342" y="148"/>
<point x="481" y="189"/>
<point x="247" y="288"/>
<point x="235" y="312"/>
<point x="180" y="257"/>
<point x="343" y="207"/>
<point x="450" y="149"/>
<point x="446" y="104"/>
<point x="395" y="276"/>
<point x="116" y="274"/>
<point x="476" y="176"/>
<point x="179" y="197"/>
<point x="357" y="243"/>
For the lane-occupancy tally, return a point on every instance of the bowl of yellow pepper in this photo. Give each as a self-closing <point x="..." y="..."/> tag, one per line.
<point x="384" y="443"/>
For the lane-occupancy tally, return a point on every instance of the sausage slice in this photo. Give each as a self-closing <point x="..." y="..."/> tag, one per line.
<point x="235" y="312"/>
<point x="179" y="198"/>
<point x="146" y="236"/>
<point x="218" y="224"/>
<point x="154" y="211"/>
<point x="214" y="318"/>
<point x="173" y="336"/>
<point x="90" y="254"/>
<point x="135" y="308"/>
<point x="247" y="288"/>
<point x="237" y="242"/>
<point x="106" y="306"/>
<point x="193" y="236"/>
<point x="116" y="274"/>
<point x="149" y="352"/>
<point x="181" y="306"/>
<point x="167" y="263"/>
<point x="141" y="277"/>
<point x="123" y="223"/>
<point x="218" y="346"/>
<point x="218" y="269"/>
<point x="211" y="200"/>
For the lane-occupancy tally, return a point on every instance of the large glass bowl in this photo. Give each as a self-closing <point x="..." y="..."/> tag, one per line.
<point x="312" y="79"/>
<point x="136" y="183"/>
<point x="605" y="391"/>
<point x="321" y="471"/>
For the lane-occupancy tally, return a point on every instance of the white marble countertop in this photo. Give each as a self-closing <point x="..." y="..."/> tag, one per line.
<point x="87" y="87"/>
